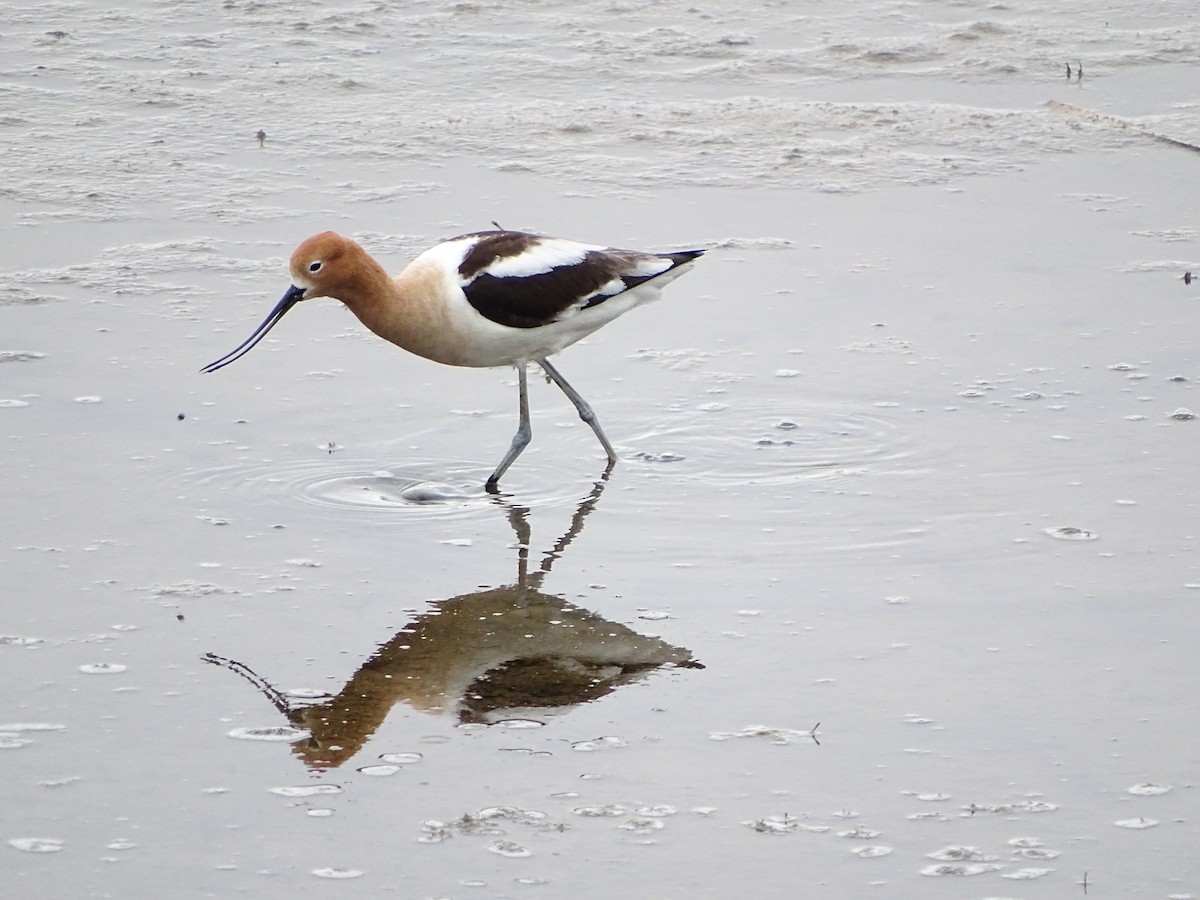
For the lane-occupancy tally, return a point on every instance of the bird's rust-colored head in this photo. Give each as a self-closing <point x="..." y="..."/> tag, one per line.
<point x="324" y="265"/>
<point x="325" y="262"/>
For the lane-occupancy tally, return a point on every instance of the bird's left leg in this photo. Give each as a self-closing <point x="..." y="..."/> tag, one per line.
<point x="585" y="411"/>
<point x="520" y="439"/>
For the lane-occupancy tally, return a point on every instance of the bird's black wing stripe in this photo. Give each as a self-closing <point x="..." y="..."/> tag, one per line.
<point x="533" y="300"/>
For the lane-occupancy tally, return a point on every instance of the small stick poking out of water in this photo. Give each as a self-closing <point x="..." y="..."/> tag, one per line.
<point x="262" y="137"/>
<point x="1187" y="277"/>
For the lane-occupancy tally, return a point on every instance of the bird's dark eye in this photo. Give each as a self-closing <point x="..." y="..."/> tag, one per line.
<point x="314" y="266"/>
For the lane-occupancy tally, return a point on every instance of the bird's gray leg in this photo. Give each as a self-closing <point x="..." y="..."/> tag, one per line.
<point x="585" y="411"/>
<point x="520" y="439"/>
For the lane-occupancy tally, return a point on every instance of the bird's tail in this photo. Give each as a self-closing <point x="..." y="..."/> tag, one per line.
<point x="679" y="257"/>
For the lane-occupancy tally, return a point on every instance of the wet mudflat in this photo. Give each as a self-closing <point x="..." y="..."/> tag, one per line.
<point x="892" y="593"/>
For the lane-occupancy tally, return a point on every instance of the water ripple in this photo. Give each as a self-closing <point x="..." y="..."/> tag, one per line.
<point x="763" y="443"/>
<point x="429" y="488"/>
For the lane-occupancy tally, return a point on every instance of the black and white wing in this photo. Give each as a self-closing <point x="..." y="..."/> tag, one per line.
<point x="527" y="281"/>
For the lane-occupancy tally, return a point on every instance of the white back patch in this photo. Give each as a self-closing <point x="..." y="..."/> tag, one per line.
<point x="544" y="256"/>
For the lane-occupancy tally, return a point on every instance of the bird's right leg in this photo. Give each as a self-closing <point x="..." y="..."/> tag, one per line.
<point x="521" y="439"/>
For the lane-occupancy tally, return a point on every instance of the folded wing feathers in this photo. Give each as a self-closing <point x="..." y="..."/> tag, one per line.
<point x="525" y="280"/>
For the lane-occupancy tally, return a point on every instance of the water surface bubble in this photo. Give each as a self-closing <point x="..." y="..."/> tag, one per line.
<point x="600" y="743"/>
<point x="775" y="735"/>
<point x="1149" y="790"/>
<point x="958" y="869"/>
<point x="269" y="733"/>
<point x="775" y="824"/>
<point x="859" y="833"/>
<point x="401" y="759"/>
<point x="610" y="810"/>
<point x="379" y="771"/>
<point x="310" y="694"/>
<point x="665" y="456"/>
<point x="656" y="812"/>
<point x="13" y="640"/>
<point x="1024" y="842"/>
<point x="1070" y="533"/>
<point x="102" y="668"/>
<point x="1026" y="874"/>
<point x="957" y="852"/>
<point x="1138" y="823"/>
<point x="643" y="825"/>
<point x="509" y="849"/>
<point x="37" y="844"/>
<point x="1030" y="806"/>
<point x="306" y="790"/>
<point x="336" y="874"/>
<point x="434" y="832"/>
<point x="871" y="851"/>
<point x="1036" y="853"/>
<point x="513" y="814"/>
<point x="517" y="723"/>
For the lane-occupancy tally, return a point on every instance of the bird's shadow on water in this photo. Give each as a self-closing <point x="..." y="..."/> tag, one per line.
<point x="504" y="653"/>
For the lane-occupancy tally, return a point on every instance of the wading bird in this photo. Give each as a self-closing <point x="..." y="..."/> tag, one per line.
<point x="491" y="298"/>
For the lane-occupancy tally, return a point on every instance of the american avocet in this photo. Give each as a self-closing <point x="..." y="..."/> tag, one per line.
<point x="491" y="298"/>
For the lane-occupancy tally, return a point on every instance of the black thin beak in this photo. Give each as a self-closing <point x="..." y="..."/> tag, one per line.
<point x="293" y="296"/>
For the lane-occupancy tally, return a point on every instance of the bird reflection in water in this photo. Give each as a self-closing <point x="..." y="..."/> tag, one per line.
<point x="484" y="657"/>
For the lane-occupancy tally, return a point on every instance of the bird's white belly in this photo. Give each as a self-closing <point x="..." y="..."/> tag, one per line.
<point x="481" y="342"/>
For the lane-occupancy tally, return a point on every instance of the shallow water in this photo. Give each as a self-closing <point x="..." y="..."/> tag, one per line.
<point x="892" y="593"/>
